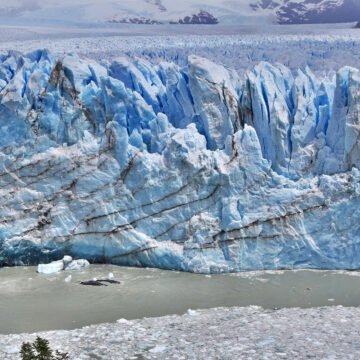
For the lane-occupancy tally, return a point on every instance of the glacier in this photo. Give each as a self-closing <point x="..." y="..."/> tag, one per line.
<point x="197" y="168"/>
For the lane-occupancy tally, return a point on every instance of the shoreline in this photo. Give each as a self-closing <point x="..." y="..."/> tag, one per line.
<point x="227" y="333"/>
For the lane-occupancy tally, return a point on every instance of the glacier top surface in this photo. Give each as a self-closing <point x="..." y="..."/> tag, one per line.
<point x="321" y="47"/>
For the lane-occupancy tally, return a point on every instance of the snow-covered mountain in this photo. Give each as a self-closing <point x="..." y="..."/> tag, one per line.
<point x="186" y="11"/>
<point x="310" y="11"/>
<point x="151" y="11"/>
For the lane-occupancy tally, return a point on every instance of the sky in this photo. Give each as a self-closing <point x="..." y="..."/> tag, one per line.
<point x="97" y="12"/>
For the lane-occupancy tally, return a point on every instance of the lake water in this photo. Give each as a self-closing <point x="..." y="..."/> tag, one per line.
<point x="32" y="302"/>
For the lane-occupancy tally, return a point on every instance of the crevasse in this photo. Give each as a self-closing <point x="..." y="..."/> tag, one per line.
<point x="197" y="168"/>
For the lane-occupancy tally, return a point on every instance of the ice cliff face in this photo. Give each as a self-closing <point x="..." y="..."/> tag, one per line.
<point x="197" y="168"/>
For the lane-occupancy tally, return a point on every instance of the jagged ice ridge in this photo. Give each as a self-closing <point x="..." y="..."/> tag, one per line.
<point x="195" y="168"/>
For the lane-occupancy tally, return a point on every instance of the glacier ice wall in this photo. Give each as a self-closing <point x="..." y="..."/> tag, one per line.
<point x="196" y="168"/>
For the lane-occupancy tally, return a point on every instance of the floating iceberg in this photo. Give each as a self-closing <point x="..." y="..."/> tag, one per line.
<point x="51" y="268"/>
<point x="67" y="263"/>
<point x="76" y="265"/>
<point x="195" y="168"/>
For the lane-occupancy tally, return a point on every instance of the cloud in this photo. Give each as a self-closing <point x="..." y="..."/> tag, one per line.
<point x="19" y="8"/>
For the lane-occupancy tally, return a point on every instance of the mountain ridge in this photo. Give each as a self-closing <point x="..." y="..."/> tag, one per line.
<point x="166" y="11"/>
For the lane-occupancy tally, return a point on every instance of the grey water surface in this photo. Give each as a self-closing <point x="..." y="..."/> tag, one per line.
<point x="31" y="302"/>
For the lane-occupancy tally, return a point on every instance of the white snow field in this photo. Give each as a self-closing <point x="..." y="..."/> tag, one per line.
<point x="237" y="333"/>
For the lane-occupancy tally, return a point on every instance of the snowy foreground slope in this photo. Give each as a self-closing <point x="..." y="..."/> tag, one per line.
<point x="222" y="333"/>
<point x="198" y="168"/>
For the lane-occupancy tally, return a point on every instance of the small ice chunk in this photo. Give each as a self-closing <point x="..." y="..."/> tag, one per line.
<point x="68" y="279"/>
<point x="123" y="321"/>
<point x="264" y="342"/>
<point x="331" y="300"/>
<point x="111" y="276"/>
<point x="52" y="268"/>
<point x="67" y="260"/>
<point x="158" y="349"/>
<point x="77" y="265"/>
<point x="192" y="312"/>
